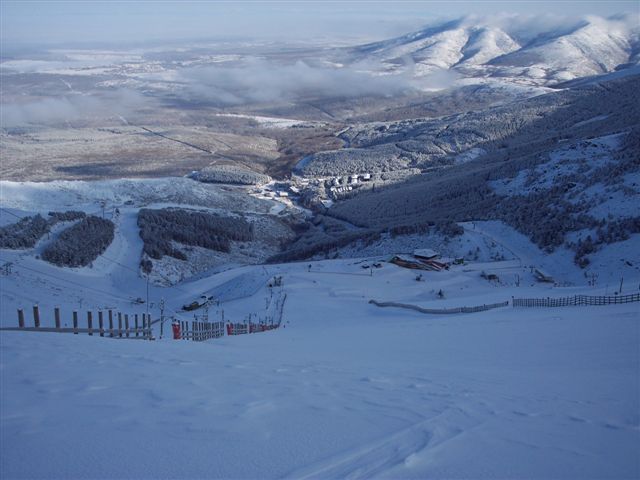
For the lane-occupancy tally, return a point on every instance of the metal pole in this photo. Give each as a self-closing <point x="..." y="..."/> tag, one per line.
<point x="147" y="293"/>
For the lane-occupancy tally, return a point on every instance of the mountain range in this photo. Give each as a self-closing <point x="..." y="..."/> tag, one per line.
<point x="512" y="47"/>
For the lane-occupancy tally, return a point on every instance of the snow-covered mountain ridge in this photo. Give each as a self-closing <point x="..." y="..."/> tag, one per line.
<point x="513" y="47"/>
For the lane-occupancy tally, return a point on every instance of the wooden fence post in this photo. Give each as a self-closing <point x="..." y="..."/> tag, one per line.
<point x="126" y="324"/>
<point x="90" y="322"/>
<point x="111" y="323"/>
<point x="75" y="323"/>
<point x="145" y="327"/>
<point x="56" y="314"/>
<point x="36" y="316"/>
<point x="136" y="323"/>
<point x="145" y="322"/>
<point x="119" y="324"/>
<point x="101" y="323"/>
<point x="20" y="318"/>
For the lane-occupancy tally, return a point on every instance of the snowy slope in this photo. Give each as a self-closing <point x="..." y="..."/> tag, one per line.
<point x="486" y="44"/>
<point x="596" y="47"/>
<point x="120" y="202"/>
<point x="345" y="389"/>
<point x="479" y="47"/>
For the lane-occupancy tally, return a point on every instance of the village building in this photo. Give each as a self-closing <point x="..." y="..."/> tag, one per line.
<point x="426" y="254"/>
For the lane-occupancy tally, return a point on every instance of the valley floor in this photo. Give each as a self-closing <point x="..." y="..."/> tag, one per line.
<point x="342" y="389"/>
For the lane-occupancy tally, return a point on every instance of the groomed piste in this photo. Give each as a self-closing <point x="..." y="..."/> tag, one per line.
<point x="343" y="389"/>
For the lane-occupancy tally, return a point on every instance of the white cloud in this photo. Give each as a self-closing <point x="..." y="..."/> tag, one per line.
<point x="51" y="111"/>
<point x="262" y="81"/>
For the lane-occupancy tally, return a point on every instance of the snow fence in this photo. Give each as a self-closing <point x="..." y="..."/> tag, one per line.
<point x="123" y="329"/>
<point x="575" y="300"/>
<point x="479" y="308"/>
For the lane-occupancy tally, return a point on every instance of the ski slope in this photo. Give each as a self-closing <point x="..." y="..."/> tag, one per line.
<point x="344" y="390"/>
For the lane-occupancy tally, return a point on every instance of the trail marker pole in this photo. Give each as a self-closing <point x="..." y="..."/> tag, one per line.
<point x="161" y="317"/>
<point x="36" y="316"/>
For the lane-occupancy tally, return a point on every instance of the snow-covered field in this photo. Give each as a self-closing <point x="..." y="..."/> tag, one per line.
<point x="344" y="389"/>
<point x="267" y="122"/>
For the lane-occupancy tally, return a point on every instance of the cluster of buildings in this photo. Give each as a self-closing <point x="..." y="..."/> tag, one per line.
<point x="341" y="185"/>
<point x="314" y="191"/>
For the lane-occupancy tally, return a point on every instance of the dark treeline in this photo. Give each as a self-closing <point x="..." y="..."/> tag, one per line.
<point x="67" y="216"/>
<point x="324" y="246"/>
<point x="27" y="231"/>
<point x="158" y="228"/>
<point x="611" y="232"/>
<point x="80" y="244"/>
<point x="229" y="174"/>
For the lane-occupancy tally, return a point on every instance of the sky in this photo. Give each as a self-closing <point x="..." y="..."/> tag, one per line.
<point x="48" y="23"/>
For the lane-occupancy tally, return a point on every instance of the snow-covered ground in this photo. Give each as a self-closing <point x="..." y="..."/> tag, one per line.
<point x="585" y="156"/>
<point x="120" y="201"/>
<point x="344" y="389"/>
<point x="492" y="241"/>
<point x="469" y="155"/>
<point x="65" y="195"/>
<point x="268" y="122"/>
